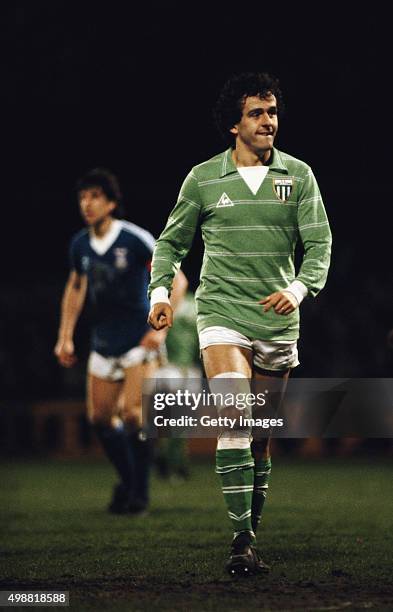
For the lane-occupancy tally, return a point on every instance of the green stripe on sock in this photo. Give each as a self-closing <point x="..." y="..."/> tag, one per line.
<point x="235" y="467"/>
<point x="262" y="470"/>
<point x="233" y="458"/>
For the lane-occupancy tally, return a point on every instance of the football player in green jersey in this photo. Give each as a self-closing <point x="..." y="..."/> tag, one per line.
<point x="252" y="202"/>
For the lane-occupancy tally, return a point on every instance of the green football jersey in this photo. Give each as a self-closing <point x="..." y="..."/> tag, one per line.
<point x="249" y="242"/>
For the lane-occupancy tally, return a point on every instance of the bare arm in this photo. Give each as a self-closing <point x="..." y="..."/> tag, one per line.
<point x="180" y="284"/>
<point x="161" y="314"/>
<point x="71" y="306"/>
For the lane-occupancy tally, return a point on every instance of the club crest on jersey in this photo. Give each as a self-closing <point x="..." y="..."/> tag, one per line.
<point x="224" y="201"/>
<point x="120" y="258"/>
<point x="283" y="188"/>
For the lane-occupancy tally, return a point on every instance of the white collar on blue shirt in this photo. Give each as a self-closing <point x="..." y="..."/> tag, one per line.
<point x="101" y="245"/>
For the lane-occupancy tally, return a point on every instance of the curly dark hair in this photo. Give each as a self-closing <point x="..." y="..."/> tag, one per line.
<point x="108" y="182"/>
<point x="228" y="109"/>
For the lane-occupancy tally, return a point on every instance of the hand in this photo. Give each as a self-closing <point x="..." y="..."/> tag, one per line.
<point x="283" y="302"/>
<point x="65" y="353"/>
<point x="160" y="316"/>
<point x="153" y="339"/>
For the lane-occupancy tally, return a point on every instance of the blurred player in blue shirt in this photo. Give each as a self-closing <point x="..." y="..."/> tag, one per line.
<point x="110" y="260"/>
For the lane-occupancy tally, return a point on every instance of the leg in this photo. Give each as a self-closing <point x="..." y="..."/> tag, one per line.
<point x="221" y="358"/>
<point x="102" y="397"/>
<point x="234" y="462"/>
<point x="141" y="446"/>
<point x="275" y="383"/>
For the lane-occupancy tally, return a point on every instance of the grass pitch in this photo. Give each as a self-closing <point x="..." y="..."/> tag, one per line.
<point x="327" y="532"/>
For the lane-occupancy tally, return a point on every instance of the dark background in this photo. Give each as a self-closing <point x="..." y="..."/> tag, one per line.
<point x="84" y="85"/>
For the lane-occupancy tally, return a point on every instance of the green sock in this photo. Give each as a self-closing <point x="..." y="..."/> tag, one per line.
<point x="262" y="470"/>
<point x="235" y="467"/>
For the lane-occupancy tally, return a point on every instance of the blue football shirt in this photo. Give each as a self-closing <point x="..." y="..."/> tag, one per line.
<point x="117" y="268"/>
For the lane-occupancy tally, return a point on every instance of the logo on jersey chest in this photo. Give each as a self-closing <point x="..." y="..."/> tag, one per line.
<point x="120" y="258"/>
<point x="85" y="263"/>
<point x="283" y="188"/>
<point x="224" y="201"/>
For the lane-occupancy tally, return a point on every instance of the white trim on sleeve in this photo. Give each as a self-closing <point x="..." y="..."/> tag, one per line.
<point x="159" y="294"/>
<point x="298" y="289"/>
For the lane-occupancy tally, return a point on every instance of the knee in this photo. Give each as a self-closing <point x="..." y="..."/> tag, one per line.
<point x="235" y="386"/>
<point x="260" y="448"/>
<point x="100" y="417"/>
<point x="132" y="416"/>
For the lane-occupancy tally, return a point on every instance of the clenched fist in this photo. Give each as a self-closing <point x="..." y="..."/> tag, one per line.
<point x="160" y="316"/>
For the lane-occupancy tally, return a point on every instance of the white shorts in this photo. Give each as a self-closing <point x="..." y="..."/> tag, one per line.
<point x="268" y="355"/>
<point x="112" y="368"/>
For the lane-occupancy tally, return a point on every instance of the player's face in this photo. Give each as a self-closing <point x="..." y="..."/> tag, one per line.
<point x="94" y="205"/>
<point x="258" y="125"/>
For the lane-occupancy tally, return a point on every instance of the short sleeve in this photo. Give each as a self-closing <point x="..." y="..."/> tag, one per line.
<point x="75" y="257"/>
<point x="142" y="242"/>
<point x="144" y="249"/>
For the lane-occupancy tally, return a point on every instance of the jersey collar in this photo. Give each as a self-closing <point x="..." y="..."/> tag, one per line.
<point x="101" y="245"/>
<point x="228" y="167"/>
